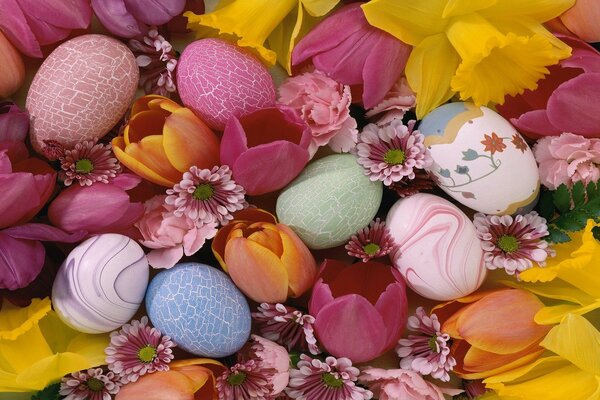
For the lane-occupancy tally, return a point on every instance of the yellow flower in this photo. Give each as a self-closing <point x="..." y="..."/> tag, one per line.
<point x="250" y="23"/>
<point x="482" y="49"/>
<point x="37" y="349"/>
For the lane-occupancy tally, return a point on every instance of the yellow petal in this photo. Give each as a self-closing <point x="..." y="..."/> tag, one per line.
<point x="143" y="103"/>
<point x="318" y="8"/>
<point x="557" y="289"/>
<point x="145" y="123"/>
<point x="461" y="7"/>
<point x="553" y="314"/>
<point x="539" y="10"/>
<point x="539" y="367"/>
<point x="14" y="321"/>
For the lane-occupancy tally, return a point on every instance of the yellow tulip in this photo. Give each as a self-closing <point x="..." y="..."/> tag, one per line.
<point x="13" y="69"/>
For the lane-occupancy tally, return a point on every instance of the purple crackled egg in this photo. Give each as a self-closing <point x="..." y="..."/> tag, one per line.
<point x="218" y="80"/>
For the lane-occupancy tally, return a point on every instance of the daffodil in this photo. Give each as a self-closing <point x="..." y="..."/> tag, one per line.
<point x="482" y="49"/>
<point x="251" y="23"/>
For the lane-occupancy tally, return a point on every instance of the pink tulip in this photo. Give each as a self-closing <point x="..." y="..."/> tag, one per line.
<point x="360" y="309"/>
<point x="29" y="24"/>
<point x="582" y="19"/>
<point x="266" y="149"/>
<point x="352" y="52"/>
<point x="14" y="125"/>
<point x="567" y="100"/>
<point x="396" y="384"/>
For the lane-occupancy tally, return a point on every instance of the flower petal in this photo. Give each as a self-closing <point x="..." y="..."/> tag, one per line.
<point x="21" y="261"/>
<point x="233" y="142"/>
<point x="155" y="12"/>
<point x="539" y="10"/>
<point x="298" y="260"/>
<point x="116" y="18"/>
<point x="14" y="25"/>
<point x="165" y="258"/>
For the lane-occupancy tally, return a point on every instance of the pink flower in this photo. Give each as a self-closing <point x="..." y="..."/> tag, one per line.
<point x="170" y="236"/>
<point x="400" y="384"/>
<point x="324" y="105"/>
<point x="395" y="104"/>
<point x="567" y="159"/>
<point x="265" y="149"/>
<point x="407" y="187"/>
<point x="92" y="384"/>
<point x="247" y="380"/>
<point x="89" y="162"/>
<point x="14" y="125"/>
<point x="372" y="241"/>
<point x="348" y="49"/>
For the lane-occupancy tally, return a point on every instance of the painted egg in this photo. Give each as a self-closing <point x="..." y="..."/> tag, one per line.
<point x="101" y="284"/>
<point x="200" y="308"/>
<point x="218" y="80"/>
<point x="81" y="90"/>
<point x="480" y="159"/>
<point x="329" y="201"/>
<point x="440" y="255"/>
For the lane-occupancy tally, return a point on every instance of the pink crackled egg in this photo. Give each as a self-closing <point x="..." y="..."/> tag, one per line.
<point x="81" y="90"/>
<point x="440" y="254"/>
<point x="218" y="80"/>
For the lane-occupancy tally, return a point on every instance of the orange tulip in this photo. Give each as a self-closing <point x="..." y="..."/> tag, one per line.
<point x="162" y="140"/>
<point x="12" y="71"/>
<point x="266" y="260"/>
<point x="493" y="332"/>
<point x="582" y="19"/>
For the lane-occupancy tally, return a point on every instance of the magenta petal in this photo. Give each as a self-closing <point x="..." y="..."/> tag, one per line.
<point x="234" y="142"/>
<point x="19" y="197"/>
<point x="45" y="32"/>
<point x="20" y="261"/>
<point x="5" y="164"/>
<point x="114" y="16"/>
<point x="535" y="124"/>
<point x="583" y="55"/>
<point x="14" y="25"/>
<point x="68" y="14"/>
<point x="126" y="181"/>
<point x="320" y="297"/>
<point x="43" y="232"/>
<point x="345" y="62"/>
<point x="14" y="123"/>
<point x="155" y="12"/>
<point x="134" y="212"/>
<point x="393" y="307"/>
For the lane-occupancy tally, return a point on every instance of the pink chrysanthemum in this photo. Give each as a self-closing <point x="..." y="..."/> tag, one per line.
<point x="513" y="243"/>
<point x="287" y="326"/>
<point x="392" y="152"/>
<point x="92" y="384"/>
<point x="207" y="195"/>
<point x="246" y="381"/>
<point x="429" y="352"/>
<point x="332" y="379"/>
<point x="138" y="349"/>
<point x="53" y="150"/>
<point x="89" y="162"/>
<point x="372" y="241"/>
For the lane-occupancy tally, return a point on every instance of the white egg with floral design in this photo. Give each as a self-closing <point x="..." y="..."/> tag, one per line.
<point x="480" y="159"/>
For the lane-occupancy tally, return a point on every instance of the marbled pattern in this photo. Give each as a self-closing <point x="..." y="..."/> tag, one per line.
<point x="101" y="284"/>
<point x="81" y="90"/>
<point x="440" y="255"/>
<point x="329" y="201"/>
<point x="218" y="80"/>
<point x="200" y="309"/>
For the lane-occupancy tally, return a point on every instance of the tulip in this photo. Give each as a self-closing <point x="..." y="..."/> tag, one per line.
<point x="582" y="19"/>
<point x="266" y="260"/>
<point x="360" y="310"/>
<point x="13" y="69"/>
<point x="14" y="125"/>
<point x="162" y="140"/>
<point x="265" y="149"/>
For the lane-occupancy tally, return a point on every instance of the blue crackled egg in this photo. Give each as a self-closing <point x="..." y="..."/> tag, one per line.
<point x="200" y="308"/>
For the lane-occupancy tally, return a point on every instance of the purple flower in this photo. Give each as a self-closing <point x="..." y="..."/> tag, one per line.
<point x="92" y="384"/>
<point x="89" y="162"/>
<point x="372" y="241"/>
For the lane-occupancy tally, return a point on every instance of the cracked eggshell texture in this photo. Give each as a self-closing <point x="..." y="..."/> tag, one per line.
<point x="440" y="255"/>
<point x="329" y="201"/>
<point x="101" y="284"/>
<point x="217" y="80"/>
<point x="200" y="308"/>
<point x="81" y="91"/>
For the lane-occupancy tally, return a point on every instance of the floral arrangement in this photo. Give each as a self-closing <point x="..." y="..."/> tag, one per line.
<point x="299" y="199"/>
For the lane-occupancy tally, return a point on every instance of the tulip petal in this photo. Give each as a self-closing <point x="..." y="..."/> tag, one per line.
<point x="144" y="123"/>
<point x="14" y="123"/>
<point x="161" y="385"/>
<point x="21" y="261"/>
<point x="480" y="361"/>
<point x="298" y="260"/>
<point x="43" y="232"/>
<point x="165" y="258"/>
<point x="14" y="25"/>
<point x="321" y="296"/>
<point x="582" y="18"/>
<point x="155" y="12"/>
<point x="535" y="123"/>
<point x="45" y="32"/>
<point x="234" y="142"/>
<point x="69" y="14"/>
<point x="116" y="18"/>
<point x="20" y="198"/>
<point x="393" y="307"/>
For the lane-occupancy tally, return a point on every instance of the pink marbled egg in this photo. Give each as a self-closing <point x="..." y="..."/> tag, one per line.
<point x="218" y="80"/>
<point x="81" y="90"/>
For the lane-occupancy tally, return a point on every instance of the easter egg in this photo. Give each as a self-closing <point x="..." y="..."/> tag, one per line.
<point x="81" y="90"/>
<point x="480" y="159"/>
<point x="200" y="308"/>
<point x="440" y="255"/>
<point x="101" y="284"/>
<point x="217" y="80"/>
<point x="329" y="201"/>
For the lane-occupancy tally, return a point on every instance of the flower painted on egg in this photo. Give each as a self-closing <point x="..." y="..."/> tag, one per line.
<point x="493" y="143"/>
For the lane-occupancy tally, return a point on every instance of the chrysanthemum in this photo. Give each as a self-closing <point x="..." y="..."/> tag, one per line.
<point x="429" y="352"/>
<point x="246" y="381"/>
<point x="332" y="379"/>
<point x="53" y="150"/>
<point x="207" y="195"/>
<point x="513" y="243"/>
<point x="92" y="384"/>
<point x="287" y="326"/>
<point x="89" y="162"/>
<point x="407" y="187"/>
<point x="138" y="349"/>
<point x="372" y="241"/>
<point x="392" y="152"/>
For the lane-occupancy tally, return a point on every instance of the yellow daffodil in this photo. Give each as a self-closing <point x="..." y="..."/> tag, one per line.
<point x="250" y="23"/>
<point x="37" y="348"/>
<point x="482" y="49"/>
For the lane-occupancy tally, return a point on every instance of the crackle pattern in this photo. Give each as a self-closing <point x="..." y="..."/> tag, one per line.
<point x="200" y="308"/>
<point x="81" y="90"/>
<point x="101" y="284"/>
<point x="218" y="80"/>
<point x="329" y="201"/>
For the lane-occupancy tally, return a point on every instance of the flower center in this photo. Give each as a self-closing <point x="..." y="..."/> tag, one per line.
<point x="147" y="354"/>
<point x="371" y="248"/>
<point x="394" y="157"/>
<point x="84" y="166"/>
<point x="95" y="385"/>
<point x="236" y="379"/>
<point x="203" y="191"/>
<point x="433" y="344"/>
<point x="331" y="381"/>
<point x="508" y="243"/>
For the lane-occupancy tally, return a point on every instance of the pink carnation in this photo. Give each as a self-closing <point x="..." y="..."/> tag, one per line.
<point x="567" y="159"/>
<point x="395" y="104"/>
<point x="395" y="384"/>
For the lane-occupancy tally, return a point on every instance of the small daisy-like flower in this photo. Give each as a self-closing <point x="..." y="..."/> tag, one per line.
<point x="53" y="150"/>
<point x="89" y="162"/>
<point x="207" y="195"/>
<point x="287" y="326"/>
<point x="513" y="243"/>
<point x="429" y="352"/>
<point x="138" y="349"/>
<point x="392" y="152"/>
<point x="92" y="384"/>
<point x="407" y="187"/>
<point x="372" y="241"/>
<point x="246" y="381"/>
<point x="332" y="379"/>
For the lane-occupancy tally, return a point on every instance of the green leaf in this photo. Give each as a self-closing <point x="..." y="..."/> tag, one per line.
<point x="49" y="393"/>
<point x="593" y="190"/>
<point x="546" y="205"/>
<point x="592" y="208"/>
<point x="572" y="221"/>
<point x="555" y="235"/>
<point x="562" y="199"/>
<point x="578" y="194"/>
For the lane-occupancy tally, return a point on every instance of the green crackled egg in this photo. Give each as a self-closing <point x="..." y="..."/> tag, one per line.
<point x="329" y="201"/>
